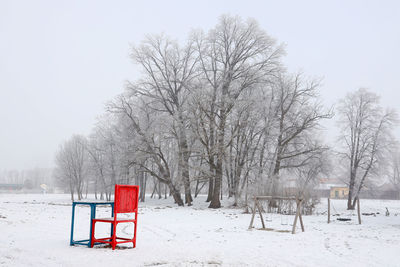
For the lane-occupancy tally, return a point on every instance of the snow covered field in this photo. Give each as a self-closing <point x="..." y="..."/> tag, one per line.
<point x="35" y="231"/>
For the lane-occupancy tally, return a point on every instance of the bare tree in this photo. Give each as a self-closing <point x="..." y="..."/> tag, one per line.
<point x="245" y="134"/>
<point x="366" y="136"/>
<point x="219" y="110"/>
<point x="234" y="57"/>
<point x="128" y="107"/>
<point x="71" y="162"/>
<point x="298" y="114"/>
<point x="394" y="169"/>
<point x="168" y="74"/>
<point x="105" y="155"/>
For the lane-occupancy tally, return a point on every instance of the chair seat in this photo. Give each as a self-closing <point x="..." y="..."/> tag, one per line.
<point x="111" y="219"/>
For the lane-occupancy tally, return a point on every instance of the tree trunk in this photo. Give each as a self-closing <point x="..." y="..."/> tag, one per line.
<point x="215" y="201"/>
<point x="211" y="146"/>
<point x="71" y="190"/>
<point x="95" y="189"/>
<point x="350" y="205"/>
<point x="184" y="160"/>
<point x="159" y="190"/>
<point x="154" y="189"/>
<point x="210" y="189"/>
<point x="175" y="194"/>
<point x="78" y="191"/>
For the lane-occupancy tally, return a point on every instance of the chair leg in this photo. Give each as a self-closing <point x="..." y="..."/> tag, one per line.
<point x="92" y="233"/>
<point x="114" y="236"/>
<point x="134" y="235"/>
<point x="134" y="231"/>
<point x="71" y="241"/>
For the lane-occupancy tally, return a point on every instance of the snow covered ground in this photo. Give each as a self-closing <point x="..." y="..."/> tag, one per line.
<point x="35" y="231"/>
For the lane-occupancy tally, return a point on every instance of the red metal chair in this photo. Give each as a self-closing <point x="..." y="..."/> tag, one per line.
<point x="125" y="201"/>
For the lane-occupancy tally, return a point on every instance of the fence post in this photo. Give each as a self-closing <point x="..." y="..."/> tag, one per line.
<point x="329" y="210"/>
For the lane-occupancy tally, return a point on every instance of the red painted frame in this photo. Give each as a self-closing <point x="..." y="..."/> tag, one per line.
<point x="126" y="199"/>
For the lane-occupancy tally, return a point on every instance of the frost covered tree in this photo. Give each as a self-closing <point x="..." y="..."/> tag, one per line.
<point x="150" y="131"/>
<point x="298" y="115"/>
<point x="71" y="165"/>
<point x="104" y="150"/>
<point x="218" y="109"/>
<point x="166" y="83"/>
<point x="234" y="56"/>
<point x="394" y="169"/>
<point x="366" y="138"/>
<point x="245" y="131"/>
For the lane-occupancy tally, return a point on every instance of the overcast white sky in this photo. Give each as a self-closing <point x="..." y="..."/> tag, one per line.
<point x="60" y="61"/>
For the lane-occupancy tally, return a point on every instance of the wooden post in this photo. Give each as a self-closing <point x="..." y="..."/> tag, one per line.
<point x="329" y="210"/>
<point x="253" y="215"/>
<point x="261" y="217"/>
<point x="300" y="217"/>
<point x="295" y="217"/>
<point x="358" y="210"/>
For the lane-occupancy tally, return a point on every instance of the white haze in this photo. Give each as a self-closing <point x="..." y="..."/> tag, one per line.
<point x="60" y="61"/>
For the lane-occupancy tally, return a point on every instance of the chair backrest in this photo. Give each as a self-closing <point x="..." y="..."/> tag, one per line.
<point x="126" y="198"/>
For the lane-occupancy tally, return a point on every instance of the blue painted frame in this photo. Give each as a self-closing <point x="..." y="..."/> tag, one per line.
<point x="93" y="205"/>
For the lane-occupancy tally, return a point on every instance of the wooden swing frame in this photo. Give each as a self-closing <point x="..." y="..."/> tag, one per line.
<point x="256" y="206"/>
